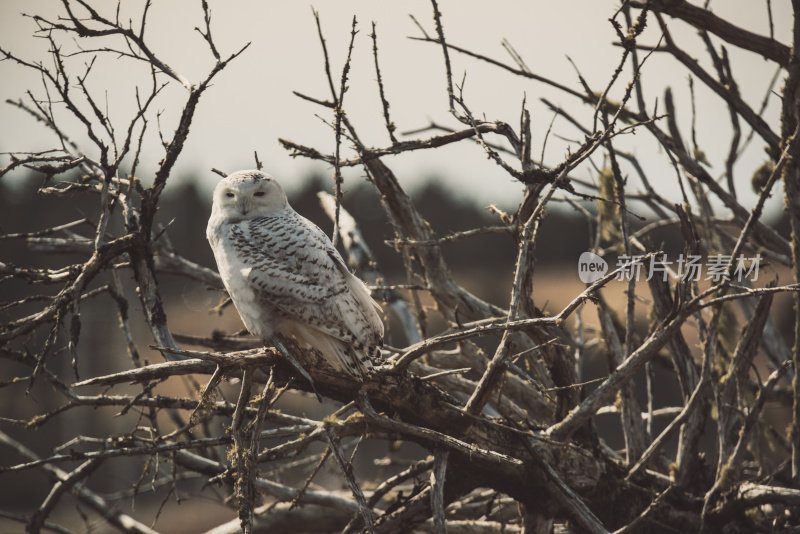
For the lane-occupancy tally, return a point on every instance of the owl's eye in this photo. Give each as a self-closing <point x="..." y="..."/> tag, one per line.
<point x="258" y="194"/>
<point x="229" y="194"/>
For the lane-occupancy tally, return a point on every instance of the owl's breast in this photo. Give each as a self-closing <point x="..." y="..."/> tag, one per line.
<point x="234" y="270"/>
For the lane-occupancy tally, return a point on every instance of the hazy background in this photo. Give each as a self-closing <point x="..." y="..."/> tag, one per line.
<point x="251" y="103"/>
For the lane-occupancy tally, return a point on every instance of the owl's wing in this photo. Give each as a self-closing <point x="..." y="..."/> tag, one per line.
<point x="295" y="268"/>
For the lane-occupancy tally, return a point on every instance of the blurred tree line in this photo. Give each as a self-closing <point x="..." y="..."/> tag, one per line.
<point x="185" y="208"/>
<point x="183" y="214"/>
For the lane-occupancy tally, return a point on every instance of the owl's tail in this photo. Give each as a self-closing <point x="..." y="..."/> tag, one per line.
<point x="355" y="361"/>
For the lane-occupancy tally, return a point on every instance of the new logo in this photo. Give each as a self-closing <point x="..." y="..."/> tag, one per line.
<point x="591" y="267"/>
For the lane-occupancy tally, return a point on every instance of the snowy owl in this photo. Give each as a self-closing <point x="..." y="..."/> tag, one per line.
<point x="285" y="276"/>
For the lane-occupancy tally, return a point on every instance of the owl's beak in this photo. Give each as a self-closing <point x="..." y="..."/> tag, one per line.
<point x="244" y="206"/>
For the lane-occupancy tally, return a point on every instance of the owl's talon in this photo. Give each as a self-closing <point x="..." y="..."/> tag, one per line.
<point x="278" y="344"/>
<point x="381" y="369"/>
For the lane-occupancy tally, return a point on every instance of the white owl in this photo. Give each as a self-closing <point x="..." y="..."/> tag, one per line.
<point x="285" y="276"/>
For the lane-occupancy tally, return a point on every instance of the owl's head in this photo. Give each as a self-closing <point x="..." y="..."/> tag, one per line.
<point x="248" y="195"/>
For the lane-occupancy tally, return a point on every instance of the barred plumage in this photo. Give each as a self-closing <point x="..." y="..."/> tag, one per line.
<point x="285" y="276"/>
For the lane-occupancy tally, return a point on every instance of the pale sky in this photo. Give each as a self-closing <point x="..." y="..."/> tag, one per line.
<point x="251" y="103"/>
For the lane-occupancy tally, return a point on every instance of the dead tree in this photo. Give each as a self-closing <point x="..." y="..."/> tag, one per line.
<point x="510" y="435"/>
